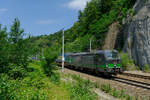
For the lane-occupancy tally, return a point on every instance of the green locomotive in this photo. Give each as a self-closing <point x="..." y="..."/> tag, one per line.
<point x="101" y="61"/>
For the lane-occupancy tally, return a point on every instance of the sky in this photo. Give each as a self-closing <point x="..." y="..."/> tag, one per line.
<point x="41" y="17"/>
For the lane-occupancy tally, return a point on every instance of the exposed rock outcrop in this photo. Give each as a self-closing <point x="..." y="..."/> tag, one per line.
<point x="137" y="33"/>
<point x="110" y="40"/>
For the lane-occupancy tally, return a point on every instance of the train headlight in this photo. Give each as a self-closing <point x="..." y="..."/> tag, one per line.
<point x="106" y="66"/>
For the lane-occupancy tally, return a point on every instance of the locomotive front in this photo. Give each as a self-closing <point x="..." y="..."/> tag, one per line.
<point x="113" y="62"/>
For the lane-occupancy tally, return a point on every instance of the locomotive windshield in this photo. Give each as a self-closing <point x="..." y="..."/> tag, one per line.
<point x="111" y="54"/>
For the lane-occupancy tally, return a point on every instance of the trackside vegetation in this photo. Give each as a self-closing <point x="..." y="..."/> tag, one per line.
<point x="36" y="85"/>
<point x="107" y="88"/>
<point x="146" y="68"/>
<point x="127" y="63"/>
<point x="81" y="89"/>
<point x="116" y="93"/>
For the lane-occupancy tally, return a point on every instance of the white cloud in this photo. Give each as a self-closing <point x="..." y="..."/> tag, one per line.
<point x="77" y="4"/>
<point x="46" y="22"/>
<point x="3" y="9"/>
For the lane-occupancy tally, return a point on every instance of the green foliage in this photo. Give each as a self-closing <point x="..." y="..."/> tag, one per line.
<point x="106" y="88"/>
<point x="48" y="65"/>
<point x="16" y="34"/>
<point x="116" y="93"/>
<point x="16" y="71"/>
<point x="4" y="51"/>
<point x="14" y="51"/>
<point x="146" y="68"/>
<point x="126" y="62"/>
<point x="18" y="47"/>
<point x="4" y="91"/>
<point x="80" y="90"/>
<point x="27" y="88"/>
<point x="80" y="44"/>
<point x="34" y="86"/>
<point x="55" y="78"/>
<point x="125" y="59"/>
<point x="15" y="83"/>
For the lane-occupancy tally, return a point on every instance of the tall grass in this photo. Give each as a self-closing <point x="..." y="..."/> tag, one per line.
<point x="81" y="89"/>
<point x="116" y="93"/>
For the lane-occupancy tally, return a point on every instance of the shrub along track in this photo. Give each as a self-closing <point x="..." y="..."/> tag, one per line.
<point x="132" y="85"/>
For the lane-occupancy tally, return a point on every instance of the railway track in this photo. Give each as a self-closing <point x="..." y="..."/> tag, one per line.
<point x="136" y="75"/>
<point x="137" y="80"/>
<point x="134" y="81"/>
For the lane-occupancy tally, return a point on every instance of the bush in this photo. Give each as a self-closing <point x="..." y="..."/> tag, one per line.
<point x="106" y="88"/>
<point x="80" y="90"/>
<point x="28" y="88"/>
<point x="116" y="93"/>
<point x="146" y="68"/>
<point x="55" y="78"/>
<point x="126" y="62"/>
<point x="16" y="71"/>
<point x="48" y="65"/>
<point x="4" y="91"/>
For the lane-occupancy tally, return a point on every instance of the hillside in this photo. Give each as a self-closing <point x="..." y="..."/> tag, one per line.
<point x="93" y="22"/>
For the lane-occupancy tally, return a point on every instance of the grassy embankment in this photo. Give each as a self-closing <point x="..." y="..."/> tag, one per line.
<point x="37" y="86"/>
<point x="106" y="88"/>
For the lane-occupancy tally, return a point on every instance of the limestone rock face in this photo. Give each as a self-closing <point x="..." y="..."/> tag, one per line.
<point x="141" y="9"/>
<point x="110" y="39"/>
<point x="137" y="33"/>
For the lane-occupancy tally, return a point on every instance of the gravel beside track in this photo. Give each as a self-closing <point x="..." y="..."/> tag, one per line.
<point x="138" y="72"/>
<point x="133" y="86"/>
<point x="141" y="76"/>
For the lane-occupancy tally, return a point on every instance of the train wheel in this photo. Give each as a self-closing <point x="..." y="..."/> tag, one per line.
<point x="107" y="75"/>
<point x="98" y="73"/>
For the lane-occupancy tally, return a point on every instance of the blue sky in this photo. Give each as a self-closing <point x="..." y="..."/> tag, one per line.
<point x="40" y="17"/>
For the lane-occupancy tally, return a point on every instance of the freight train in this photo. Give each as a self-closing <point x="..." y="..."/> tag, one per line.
<point x="101" y="61"/>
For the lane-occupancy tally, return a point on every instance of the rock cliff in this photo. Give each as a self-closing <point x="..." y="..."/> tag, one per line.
<point x="110" y="40"/>
<point x="137" y="33"/>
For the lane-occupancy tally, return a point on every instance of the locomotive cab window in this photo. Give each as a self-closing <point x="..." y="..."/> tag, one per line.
<point x="111" y="54"/>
